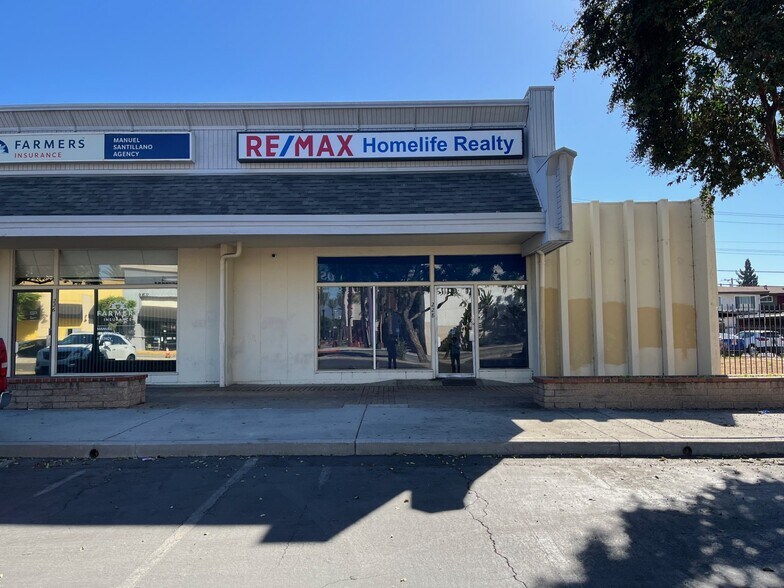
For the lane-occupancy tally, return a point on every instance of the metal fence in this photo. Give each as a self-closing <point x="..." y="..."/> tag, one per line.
<point x="751" y="340"/>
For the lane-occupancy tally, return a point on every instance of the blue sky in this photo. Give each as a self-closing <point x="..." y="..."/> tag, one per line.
<point x="255" y="51"/>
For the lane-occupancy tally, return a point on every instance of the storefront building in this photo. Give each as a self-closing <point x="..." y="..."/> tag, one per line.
<point x="320" y="243"/>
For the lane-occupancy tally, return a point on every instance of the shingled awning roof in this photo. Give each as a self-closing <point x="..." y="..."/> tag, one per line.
<point x="268" y="194"/>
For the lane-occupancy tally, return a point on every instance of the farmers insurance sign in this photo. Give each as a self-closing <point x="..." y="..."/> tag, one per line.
<point x="380" y="145"/>
<point x="65" y="147"/>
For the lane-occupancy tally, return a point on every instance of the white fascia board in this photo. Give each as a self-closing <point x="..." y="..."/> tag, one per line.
<point x="264" y="105"/>
<point x="196" y="225"/>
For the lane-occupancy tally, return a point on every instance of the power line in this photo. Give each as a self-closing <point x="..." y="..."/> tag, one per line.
<point x="755" y="271"/>
<point x="750" y="253"/>
<point x="750" y="214"/>
<point x="748" y="223"/>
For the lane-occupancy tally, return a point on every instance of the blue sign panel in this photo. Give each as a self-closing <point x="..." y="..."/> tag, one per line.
<point x="155" y="146"/>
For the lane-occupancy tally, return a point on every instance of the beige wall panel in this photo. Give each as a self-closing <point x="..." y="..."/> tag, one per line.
<point x="197" y="328"/>
<point x="552" y="340"/>
<point x="615" y="343"/>
<point x="648" y="300"/>
<point x="301" y="314"/>
<point x="6" y="279"/>
<point x="581" y="336"/>
<point x="683" y="309"/>
<point x="247" y="309"/>
<point x="580" y="295"/>
<point x="613" y="289"/>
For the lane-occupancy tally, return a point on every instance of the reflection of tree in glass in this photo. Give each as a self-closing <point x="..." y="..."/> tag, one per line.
<point x="28" y="304"/>
<point x="407" y="304"/>
<point x="502" y="318"/>
<point x="116" y="310"/>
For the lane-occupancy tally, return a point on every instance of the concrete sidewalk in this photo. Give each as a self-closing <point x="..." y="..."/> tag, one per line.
<point x="423" y="418"/>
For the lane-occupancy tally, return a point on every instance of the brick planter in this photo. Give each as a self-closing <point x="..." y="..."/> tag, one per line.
<point x="77" y="392"/>
<point x="666" y="392"/>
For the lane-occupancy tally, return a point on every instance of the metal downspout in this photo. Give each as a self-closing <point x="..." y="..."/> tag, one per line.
<point x="222" y="311"/>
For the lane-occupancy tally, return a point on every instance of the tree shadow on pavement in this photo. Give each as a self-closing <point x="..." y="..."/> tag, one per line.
<point x="291" y="499"/>
<point x="730" y="534"/>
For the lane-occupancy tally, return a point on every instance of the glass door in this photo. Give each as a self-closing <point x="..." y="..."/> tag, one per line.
<point x="32" y="332"/>
<point x="455" y="331"/>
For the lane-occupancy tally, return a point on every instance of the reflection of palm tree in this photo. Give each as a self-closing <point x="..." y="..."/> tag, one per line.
<point x="410" y="300"/>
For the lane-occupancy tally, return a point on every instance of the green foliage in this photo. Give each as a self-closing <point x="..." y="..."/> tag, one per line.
<point x="27" y="304"/>
<point x="700" y="81"/>
<point x="105" y="304"/>
<point x="747" y="276"/>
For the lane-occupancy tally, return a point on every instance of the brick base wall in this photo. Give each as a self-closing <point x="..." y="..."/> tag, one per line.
<point x="671" y="392"/>
<point x="77" y="392"/>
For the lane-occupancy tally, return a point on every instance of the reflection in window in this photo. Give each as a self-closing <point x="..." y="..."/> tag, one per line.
<point x="128" y="267"/>
<point x="478" y="268"/>
<point x="399" y="268"/>
<point x="33" y="267"/>
<point x="32" y="324"/>
<point x="503" y="327"/>
<point x="345" y="328"/>
<point x="132" y="330"/>
<point x="403" y="327"/>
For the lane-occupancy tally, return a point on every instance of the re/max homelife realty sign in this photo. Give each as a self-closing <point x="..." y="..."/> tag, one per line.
<point x="381" y="145"/>
<point x="65" y="147"/>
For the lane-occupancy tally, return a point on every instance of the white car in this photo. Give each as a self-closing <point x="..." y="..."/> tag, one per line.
<point x="77" y="347"/>
<point x="762" y="341"/>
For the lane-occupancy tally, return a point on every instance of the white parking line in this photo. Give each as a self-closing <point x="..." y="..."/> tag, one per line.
<point x="185" y="528"/>
<point x="51" y="487"/>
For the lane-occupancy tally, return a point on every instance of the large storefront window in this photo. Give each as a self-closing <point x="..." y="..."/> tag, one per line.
<point x="345" y="328"/>
<point x="387" y="319"/>
<point x="503" y="327"/>
<point x="107" y="327"/>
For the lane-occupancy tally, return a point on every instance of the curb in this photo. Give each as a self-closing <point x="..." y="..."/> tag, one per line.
<point x="671" y="448"/>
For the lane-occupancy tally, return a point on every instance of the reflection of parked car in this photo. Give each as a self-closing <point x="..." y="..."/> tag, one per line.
<point x="762" y="341"/>
<point x="731" y="344"/>
<point x="30" y="348"/>
<point x="76" y="348"/>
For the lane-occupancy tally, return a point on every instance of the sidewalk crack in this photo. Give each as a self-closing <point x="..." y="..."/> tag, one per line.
<point x="140" y="424"/>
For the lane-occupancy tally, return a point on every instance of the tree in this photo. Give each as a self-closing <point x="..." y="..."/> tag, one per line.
<point x="28" y="306"/>
<point x="747" y="276"/>
<point x="700" y="81"/>
<point x="116" y="311"/>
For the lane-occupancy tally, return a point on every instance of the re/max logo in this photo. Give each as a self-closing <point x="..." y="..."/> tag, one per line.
<point x="301" y="145"/>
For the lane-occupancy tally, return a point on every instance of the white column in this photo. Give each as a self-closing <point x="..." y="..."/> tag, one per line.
<point x="563" y="294"/>
<point x="630" y="261"/>
<point x="665" y="287"/>
<point x="596" y="289"/>
<point x="706" y="297"/>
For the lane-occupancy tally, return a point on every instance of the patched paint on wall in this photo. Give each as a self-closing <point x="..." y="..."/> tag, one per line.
<point x="615" y="344"/>
<point x="649" y="323"/>
<point x="552" y="323"/>
<point x="684" y="319"/>
<point x="581" y="336"/>
<point x="641" y="277"/>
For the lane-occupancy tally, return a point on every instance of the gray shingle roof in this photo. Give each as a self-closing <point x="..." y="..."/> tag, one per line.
<point x="317" y="194"/>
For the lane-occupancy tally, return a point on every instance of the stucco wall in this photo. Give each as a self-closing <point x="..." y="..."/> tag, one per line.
<point x="197" y="324"/>
<point x="634" y="294"/>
